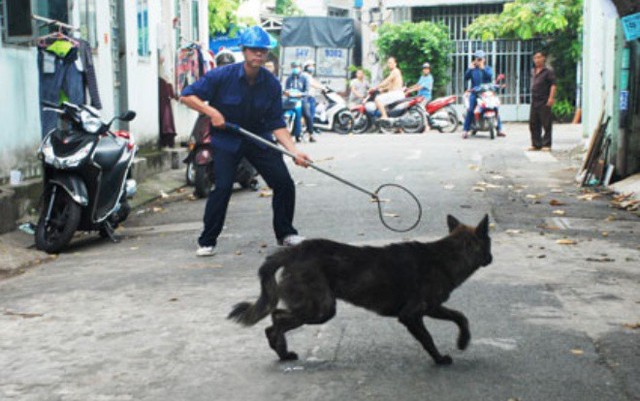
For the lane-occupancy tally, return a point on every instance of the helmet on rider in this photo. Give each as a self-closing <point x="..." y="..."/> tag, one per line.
<point x="479" y="54"/>
<point x="309" y="63"/>
<point x="225" y="57"/>
<point x="426" y="65"/>
<point x="255" y="37"/>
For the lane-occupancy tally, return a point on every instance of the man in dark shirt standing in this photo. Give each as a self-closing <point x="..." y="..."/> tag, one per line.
<point x="247" y="95"/>
<point x="543" y="92"/>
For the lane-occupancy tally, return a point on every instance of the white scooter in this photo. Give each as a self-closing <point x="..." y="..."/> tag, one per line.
<point x="332" y="114"/>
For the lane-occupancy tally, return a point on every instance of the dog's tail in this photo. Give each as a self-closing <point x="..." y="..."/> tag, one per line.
<point x="249" y="314"/>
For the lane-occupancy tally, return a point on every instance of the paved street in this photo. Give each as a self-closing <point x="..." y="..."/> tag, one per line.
<point x="144" y="319"/>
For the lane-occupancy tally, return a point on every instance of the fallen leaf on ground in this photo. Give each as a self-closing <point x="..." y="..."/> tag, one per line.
<point x="163" y="195"/>
<point x="559" y="212"/>
<point x="556" y="190"/>
<point x="589" y="197"/>
<point x="548" y="227"/>
<point x="263" y="245"/>
<point x="534" y="196"/>
<point x="605" y="234"/>
<point x="22" y="314"/>
<point x="632" y="326"/>
<point x="391" y="215"/>
<point x="238" y="253"/>
<point x="449" y="186"/>
<point x="555" y="202"/>
<point x="265" y="193"/>
<point x="173" y="299"/>
<point x="497" y="177"/>
<point x="134" y="248"/>
<point x="611" y="218"/>
<point x="192" y="197"/>
<point x="576" y="351"/>
<point x="513" y="232"/>
<point x="180" y="190"/>
<point x="479" y="189"/>
<point x="566" y="242"/>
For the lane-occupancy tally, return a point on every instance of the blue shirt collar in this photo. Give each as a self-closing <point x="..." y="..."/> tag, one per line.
<point x="242" y="74"/>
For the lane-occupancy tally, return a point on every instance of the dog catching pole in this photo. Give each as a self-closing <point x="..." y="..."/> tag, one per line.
<point x="398" y="208"/>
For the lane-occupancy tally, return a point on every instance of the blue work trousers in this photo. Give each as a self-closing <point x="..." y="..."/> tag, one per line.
<point x="270" y="165"/>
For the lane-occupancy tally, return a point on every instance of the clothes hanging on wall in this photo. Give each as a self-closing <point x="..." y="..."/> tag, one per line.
<point x="192" y="62"/>
<point x="60" y="79"/>
<point x="66" y="73"/>
<point x="167" y="126"/>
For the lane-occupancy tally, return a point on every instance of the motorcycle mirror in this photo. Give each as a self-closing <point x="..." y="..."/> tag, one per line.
<point x="128" y="115"/>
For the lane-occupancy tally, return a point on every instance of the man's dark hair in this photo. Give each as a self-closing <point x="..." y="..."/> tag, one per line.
<point x="542" y="52"/>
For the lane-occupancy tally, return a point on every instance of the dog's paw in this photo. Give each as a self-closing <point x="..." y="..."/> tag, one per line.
<point x="444" y="360"/>
<point x="463" y="340"/>
<point x="289" y="356"/>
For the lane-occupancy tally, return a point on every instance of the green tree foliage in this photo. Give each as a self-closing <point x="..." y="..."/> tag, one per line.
<point x="223" y="18"/>
<point x="557" y="23"/>
<point x="413" y="44"/>
<point x="287" y="8"/>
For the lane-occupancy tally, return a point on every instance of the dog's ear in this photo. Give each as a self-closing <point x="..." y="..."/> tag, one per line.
<point x="482" y="230"/>
<point x="452" y="222"/>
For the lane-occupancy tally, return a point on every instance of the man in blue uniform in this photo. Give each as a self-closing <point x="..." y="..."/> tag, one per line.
<point x="247" y="95"/>
<point x="478" y="73"/>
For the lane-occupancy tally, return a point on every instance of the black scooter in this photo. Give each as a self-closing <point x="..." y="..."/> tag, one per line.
<point x="86" y="170"/>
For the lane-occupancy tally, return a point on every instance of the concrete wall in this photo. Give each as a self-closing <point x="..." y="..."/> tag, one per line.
<point x="19" y="111"/>
<point x="601" y="43"/>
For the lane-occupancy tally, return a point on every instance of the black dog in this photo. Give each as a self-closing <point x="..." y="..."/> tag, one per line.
<point x="406" y="280"/>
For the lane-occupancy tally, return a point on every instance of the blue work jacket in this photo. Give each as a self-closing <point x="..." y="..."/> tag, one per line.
<point x="479" y="76"/>
<point x="256" y="108"/>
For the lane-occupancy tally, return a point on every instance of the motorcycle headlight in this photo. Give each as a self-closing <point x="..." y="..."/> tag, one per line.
<point x="71" y="161"/>
<point x="90" y="123"/>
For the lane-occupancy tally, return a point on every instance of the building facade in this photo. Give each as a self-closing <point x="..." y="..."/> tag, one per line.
<point x="611" y="76"/>
<point x="126" y="37"/>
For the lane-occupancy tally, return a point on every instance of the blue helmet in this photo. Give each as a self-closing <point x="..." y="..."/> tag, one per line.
<point x="479" y="54"/>
<point x="255" y="36"/>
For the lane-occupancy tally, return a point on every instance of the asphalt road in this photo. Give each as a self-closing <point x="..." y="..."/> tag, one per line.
<point x="144" y="319"/>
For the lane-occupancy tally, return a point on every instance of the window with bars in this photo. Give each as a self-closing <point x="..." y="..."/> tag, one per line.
<point x="195" y="21"/>
<point x="457" y="18"/>
<point x="143" y="27"/>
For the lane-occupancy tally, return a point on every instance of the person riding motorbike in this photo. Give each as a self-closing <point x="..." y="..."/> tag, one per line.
<point x="478" y="73"/>
<point x="391" y="86"/>
<point x="297" y="83"/>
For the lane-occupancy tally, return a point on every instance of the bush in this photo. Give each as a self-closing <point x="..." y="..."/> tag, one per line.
<point x="563" y="110"/>
<point x="413" y="44"/>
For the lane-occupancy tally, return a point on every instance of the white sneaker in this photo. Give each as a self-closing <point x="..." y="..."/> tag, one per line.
<point x="291" y="240"/>
<point x="205" y="251"/>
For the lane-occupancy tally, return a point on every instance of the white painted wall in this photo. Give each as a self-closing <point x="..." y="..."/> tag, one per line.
<point x="19" y="106"/>
<point x="600" y="27"/>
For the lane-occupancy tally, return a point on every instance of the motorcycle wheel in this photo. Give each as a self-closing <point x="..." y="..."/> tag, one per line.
<point x="202" y="181"/>
<point x="452" y="122"/>
<point x="343" y="122"/>
<point x="361" y="122"/>
<point x="417" y="118"/>
<point x="190" y="173"/>
<point x="491" y="123"/>
<point x="55" y="234"/>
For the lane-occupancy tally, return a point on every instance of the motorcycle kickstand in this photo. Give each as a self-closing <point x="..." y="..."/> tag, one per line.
<point x="110" y="232"/>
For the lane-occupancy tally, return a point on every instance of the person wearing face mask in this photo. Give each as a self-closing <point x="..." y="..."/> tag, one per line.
<point x="309" y="69"/>
<point x="296" y="82"/>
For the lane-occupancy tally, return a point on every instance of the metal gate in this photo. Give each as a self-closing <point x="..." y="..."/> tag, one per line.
<point x="513" y="58"/>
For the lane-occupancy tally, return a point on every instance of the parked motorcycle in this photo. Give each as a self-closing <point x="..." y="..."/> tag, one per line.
<point x="333" y="114"/>
<point x="199" y="161"/>
<point x="86" y="176"/>
<point x="406" y="114"/>
<point x="441" y="115"/>
<point x="487" y="107"/>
